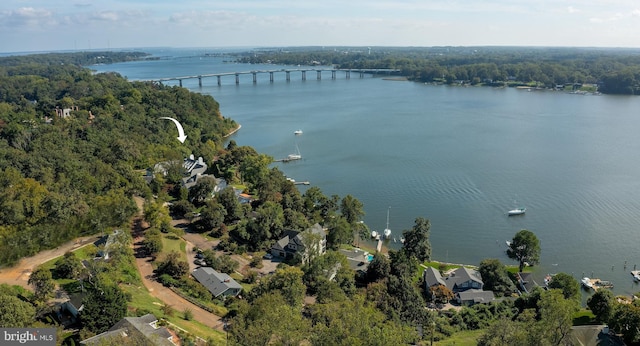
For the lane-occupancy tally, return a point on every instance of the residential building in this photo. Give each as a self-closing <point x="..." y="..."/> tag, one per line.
<point x="358" y="259"/>
<point x="219" y="284"/>
<point x="141" y="330"/>
<point x="465" y="283"/>
<point x="311" y="240"/>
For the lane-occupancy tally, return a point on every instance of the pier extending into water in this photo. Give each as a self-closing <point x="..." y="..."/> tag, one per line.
<point x="303" y="74"/>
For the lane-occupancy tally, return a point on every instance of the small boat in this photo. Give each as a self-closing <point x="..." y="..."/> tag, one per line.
<point x="586" y="282"/>
<point x="297" y="132"/>
<point x="374" y="234"/>
<point x="508" y="242"/>
<point x="516" y="211"/>
<point x="636" y="275"/>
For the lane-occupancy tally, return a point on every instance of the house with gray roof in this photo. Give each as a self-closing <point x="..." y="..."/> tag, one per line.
<point x="465" y="283"/>
<point x="474" y="296"/>
<point x="219" y="284"/>
<point x="432" y="278"/>
<point x="142" y="330"/>
<point x="293" y="243"/>
<point x="358" y="259"/>
<point x="463" y="279"/>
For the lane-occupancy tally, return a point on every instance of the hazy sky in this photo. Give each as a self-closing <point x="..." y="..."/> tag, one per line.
<point x="46" y="25"/>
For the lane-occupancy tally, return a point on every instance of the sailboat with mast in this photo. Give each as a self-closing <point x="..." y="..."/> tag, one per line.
<point x="296" y="155"/>
<point x="387" y="231"/>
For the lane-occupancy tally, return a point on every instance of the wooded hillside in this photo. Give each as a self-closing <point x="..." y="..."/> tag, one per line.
<point x="74" y="146"/>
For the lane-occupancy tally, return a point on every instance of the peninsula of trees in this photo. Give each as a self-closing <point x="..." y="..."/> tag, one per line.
<point x="613" y="71"/>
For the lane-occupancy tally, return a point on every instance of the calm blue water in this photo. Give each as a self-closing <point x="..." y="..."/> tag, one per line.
<point x="457" y="156"/>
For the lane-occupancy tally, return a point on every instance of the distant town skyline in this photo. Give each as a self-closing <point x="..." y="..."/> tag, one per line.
<point x="50" y="25"/>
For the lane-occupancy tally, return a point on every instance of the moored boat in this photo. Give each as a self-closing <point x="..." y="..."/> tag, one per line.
<point x="586" y="282"/>
<point x="516" y="211"/>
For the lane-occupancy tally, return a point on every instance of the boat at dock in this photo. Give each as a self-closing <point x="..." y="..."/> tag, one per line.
<point x="297" y="132"/>
<point x="595" y="284"/>
<point x="387" y="231"/>
<point x="586" y="282"/>
<point x="636" y="275"/>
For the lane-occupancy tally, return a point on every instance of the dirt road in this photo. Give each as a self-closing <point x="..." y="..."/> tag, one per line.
<point x="19" y="273"/>
<point x="171" y="298"/>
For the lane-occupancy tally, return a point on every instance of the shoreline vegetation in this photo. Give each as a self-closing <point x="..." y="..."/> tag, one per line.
<point x="603" y="70"/>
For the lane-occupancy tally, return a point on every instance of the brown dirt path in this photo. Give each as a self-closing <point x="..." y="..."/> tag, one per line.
<point x="19" y="273"/>
<point x="157" y="290"/>
<point x="169" y="297"/>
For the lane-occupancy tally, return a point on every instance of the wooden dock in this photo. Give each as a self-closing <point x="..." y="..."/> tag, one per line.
<point x="301" y="183"/>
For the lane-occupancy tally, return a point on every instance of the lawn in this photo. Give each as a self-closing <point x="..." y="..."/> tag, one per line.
<point x="171" y="242"/>
<point x="464" y="338"/>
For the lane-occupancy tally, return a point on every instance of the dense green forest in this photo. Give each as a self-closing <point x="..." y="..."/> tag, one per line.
<point x="65" y="177"/>
<point x="615" y="71"/>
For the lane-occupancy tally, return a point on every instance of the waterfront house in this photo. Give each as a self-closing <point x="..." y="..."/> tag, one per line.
<point x="465" y="283"/>
<point x="463" y="279"/>
<point x="303" y="244"/>
<point x="219" y="284"/>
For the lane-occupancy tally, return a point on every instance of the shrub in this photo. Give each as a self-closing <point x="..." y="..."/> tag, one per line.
<point x="187" y="314"/>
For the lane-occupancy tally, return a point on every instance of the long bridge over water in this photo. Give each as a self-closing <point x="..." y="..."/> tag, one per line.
<point x="287" y="72"/>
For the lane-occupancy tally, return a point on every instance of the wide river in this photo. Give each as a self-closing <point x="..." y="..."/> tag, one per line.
<point x="459" y="156"/>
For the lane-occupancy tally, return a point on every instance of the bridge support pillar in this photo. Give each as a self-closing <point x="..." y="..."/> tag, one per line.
<point x="347" y="74"/>
<point x="304" y="75"/>
<point x="333" y="74"/>
<point x="271" y="77"/>
<point x="288" y="76"/>
<point x="219" y="84"/>
<point x="255" y="78"/>
<point x="361" y="74"/>
<point x="199" y="81"/>
<point x="319" y="74"/>
<point x="180" y="81"/>
<point x="237" y="78"/>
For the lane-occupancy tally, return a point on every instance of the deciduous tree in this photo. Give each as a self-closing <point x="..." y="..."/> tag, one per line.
<point x="42" y="282"/>
<point x="569" y="286"/>
<point x="416" y="242"/>
<point x="103" y="307"/>
<point x="15" y="313"/>
<point x="524" y="248"/>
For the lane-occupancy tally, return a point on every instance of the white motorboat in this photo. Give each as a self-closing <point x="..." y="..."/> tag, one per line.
<point x="586" y="282"/>
<point x="297" y="132"/>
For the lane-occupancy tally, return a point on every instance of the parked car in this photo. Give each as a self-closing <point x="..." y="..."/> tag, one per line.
<point x="199" y="255"/>
<point x="200" y="262"/>
<point x="267" y="256"/>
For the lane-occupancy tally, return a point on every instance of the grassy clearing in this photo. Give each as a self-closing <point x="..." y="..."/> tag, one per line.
<point x="584" y="317"/>
<point x="464" y="338"/>
<point x="171" y="242"/>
